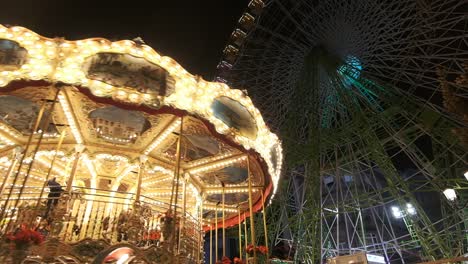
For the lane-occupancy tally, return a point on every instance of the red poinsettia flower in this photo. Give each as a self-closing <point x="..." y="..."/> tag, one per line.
<point x="262" y="249"/>
<point x="238" y="261"/>
<point x="250" y="249"/>
<point x="226" y="260"/>
<point x="25" y="236"/>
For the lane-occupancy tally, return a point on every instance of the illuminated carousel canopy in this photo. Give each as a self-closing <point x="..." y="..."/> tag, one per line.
<point x="117" y="124"/>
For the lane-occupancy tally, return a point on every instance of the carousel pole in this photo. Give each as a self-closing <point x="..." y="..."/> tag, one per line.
<point x="44" y="127"/>
<point x="17" y="152"/>
<point x="184" y="208"/>
<point x="21" y="162"/>
<point x="200" y="233"/>
<point x="141" y="170"/>
<point x="78" y="151"/>
<point x="246" y="235"/>
<point x="264" y="224"/>
<point x="224" y="227"/>
<point x="175" y="185"/>
<point x="49" y="171"/>
<point x="15" y="158"/>
<point x="240" y="236"/>
<point x="216" y="232"/>
<point x="211" y="244"/>
<point x="252" y="224"/>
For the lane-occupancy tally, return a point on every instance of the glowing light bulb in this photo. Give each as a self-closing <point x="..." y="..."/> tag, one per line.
<point x="396" y="212"/>
<point x="450" y="194"/>
<point x="410" y="209"/>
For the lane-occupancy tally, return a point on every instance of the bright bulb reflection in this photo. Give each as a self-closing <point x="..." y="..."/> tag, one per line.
<point x="410" y="209"/>
<point x="396" y="212"/>
<point x="466" y="175"/>
<point x="123" y="259"/>
<point x="450" y="194"/>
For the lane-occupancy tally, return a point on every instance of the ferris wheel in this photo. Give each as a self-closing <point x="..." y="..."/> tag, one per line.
<point x="370" y="100"/>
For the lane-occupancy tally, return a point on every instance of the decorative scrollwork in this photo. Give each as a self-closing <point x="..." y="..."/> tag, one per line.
<point x="88" y="249"/>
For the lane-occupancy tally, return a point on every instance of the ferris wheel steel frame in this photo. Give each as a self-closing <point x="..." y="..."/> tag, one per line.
<point x="354" y="87"/>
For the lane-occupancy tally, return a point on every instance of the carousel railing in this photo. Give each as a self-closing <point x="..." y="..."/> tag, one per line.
<point x="113" y="216"/>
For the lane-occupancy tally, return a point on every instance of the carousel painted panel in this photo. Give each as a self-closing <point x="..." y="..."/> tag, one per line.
<point x="124" y="70"/>
<point x="12" y="55"/>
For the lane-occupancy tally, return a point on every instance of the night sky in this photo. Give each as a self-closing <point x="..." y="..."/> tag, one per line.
<point x="194" y="33"/>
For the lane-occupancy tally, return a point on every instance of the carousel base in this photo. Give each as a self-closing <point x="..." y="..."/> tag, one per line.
<point x="67" y="235"/>
<point x="90" y="251"/>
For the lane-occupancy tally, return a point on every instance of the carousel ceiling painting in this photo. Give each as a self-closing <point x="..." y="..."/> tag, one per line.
<point x="118" y="125"/>
<point x="230" y="198"/>
<point x="21" y="114"/>
<point x="201" y="146"/>
<point x="133" y="140"/>
<point x="17" y="112"/>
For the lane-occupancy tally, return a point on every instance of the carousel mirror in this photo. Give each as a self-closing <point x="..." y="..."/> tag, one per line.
<point x="235" y="115"/>
<point x="12" y="55"/>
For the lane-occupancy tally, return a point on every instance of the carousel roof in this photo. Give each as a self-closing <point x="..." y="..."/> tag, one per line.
<point x="122" y="100"/>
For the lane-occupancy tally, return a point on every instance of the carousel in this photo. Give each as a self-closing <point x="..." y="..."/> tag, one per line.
<point x="112" y="153"/>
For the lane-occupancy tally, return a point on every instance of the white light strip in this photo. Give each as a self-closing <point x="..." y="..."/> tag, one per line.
<point x="116" y="185"/>
<point x="111" y="157"/>
<point x="93" y="181"/>
<point x="71" y="120"/>
<point x="148" y="182"/>
<point x="117" y="181"/>
<point x="159" y="194"/>
<point x="92" y="171"/>
<point x="131" y="192"/>
<point x="10" y="132"/>
<point x="219" y="208"/>
<point x="217" y="164"/>
<point x="210" y="159"/>
<point x="231" y="191"/>
<point x="160" y="169"/>
<point x="163" y="136"/>
<point x="24" y="173"/>
<point x="57" y="171"/>
<point x="115" y="139"/>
